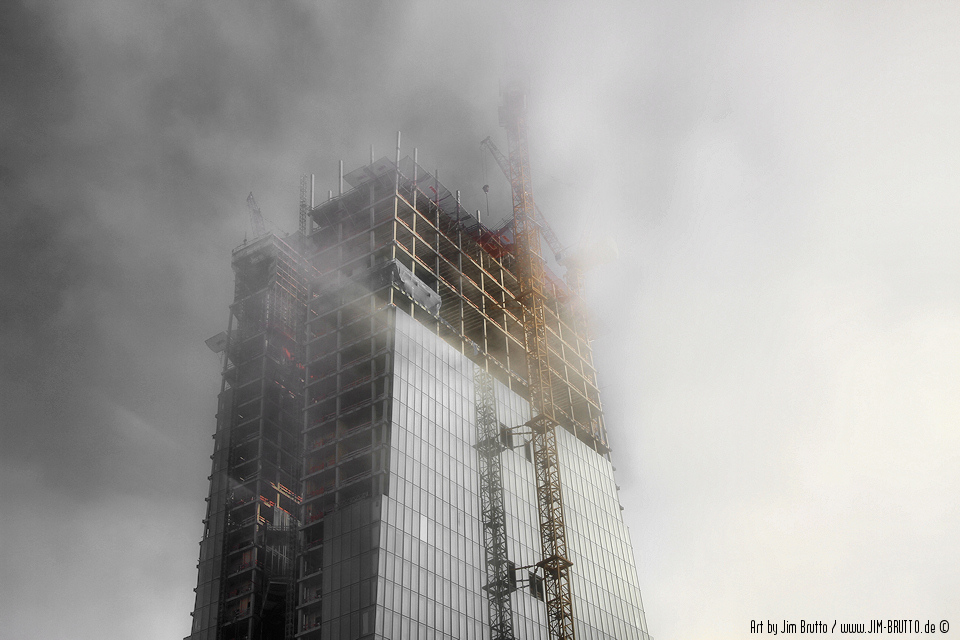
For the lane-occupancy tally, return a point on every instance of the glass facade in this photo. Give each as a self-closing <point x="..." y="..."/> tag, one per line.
<point x="431" y="565"/>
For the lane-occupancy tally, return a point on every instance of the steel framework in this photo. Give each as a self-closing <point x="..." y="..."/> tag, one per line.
<point x="574" y="276"/>
<point x="500" y="582"/>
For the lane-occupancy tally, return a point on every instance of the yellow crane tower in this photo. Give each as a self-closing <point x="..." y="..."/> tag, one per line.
<point x="555" y="561"/>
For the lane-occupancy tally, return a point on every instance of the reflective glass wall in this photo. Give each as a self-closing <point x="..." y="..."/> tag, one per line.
<point x="431" y="564"/>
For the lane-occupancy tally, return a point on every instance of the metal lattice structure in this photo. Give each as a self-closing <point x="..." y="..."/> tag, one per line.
<point x="305" y="203"/>
<point x="530" y="269"/>
<point x="500" y="581"/>
<point x="574" y="275"/>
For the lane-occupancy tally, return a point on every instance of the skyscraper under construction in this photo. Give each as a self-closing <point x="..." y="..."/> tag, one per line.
<point x="410" y="441"/>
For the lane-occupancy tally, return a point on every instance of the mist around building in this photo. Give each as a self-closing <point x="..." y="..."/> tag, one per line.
<point x="775" y="345"/>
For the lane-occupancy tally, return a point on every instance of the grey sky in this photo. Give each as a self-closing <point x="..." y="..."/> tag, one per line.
<point x="778" y="340"/>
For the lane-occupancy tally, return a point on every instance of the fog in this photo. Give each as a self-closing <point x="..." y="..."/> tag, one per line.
<point x="777" y="339"/>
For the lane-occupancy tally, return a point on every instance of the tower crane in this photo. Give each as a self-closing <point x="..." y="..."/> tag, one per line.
<point x="256" y="218"/>
<point x="555" y="560"/>
<point x="574" y="270"/>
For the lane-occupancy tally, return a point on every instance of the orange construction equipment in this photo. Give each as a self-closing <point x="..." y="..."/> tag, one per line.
<point x="553" y="538"/>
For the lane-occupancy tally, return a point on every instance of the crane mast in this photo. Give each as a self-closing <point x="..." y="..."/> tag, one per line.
<point x="553" y="539"/>
<point x="574" y="274"/>
<point x="256" y="218"/>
